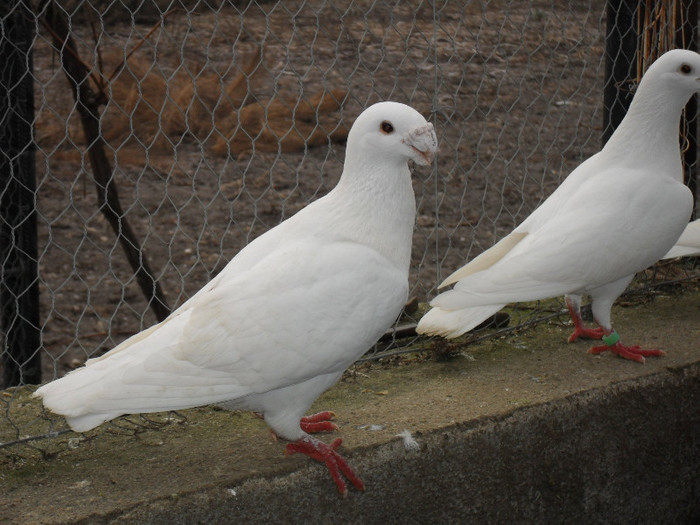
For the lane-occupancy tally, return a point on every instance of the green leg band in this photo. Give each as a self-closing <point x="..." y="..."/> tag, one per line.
<point x="611" y="338"/>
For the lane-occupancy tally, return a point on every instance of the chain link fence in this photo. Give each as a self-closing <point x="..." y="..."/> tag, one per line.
<point x="218" y="120"/>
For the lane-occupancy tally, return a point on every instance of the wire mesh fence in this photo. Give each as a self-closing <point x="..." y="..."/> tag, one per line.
<point x="218" y="120"/>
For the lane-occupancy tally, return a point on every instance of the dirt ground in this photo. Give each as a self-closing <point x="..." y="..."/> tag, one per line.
<point x="513" y="88"/>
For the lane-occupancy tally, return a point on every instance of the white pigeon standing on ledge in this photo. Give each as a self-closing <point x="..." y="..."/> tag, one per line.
<point x="285" y="318"/>
<point x="688" y="244"/>
<point x="616" y="214"/>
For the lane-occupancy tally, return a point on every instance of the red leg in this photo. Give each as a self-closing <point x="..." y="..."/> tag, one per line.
<point x="634" y="353"/>
<point x="327" y="454"/>
<point x="318" y="422"/>
<point x="579" y="328"/>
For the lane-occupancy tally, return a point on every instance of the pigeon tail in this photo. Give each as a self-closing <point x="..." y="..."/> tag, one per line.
<point x="682" y="251"/>
<point x="688" y="244"/>
<point x="92" y="395"/>
<point x="453" y="323"/>
<point x="68" y="396"/>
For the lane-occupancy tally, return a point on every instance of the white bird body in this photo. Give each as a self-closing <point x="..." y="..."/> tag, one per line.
<point x="199" y="356"/>
<point x="289" y="313"/>
<point x="617" y="213"/>
<point x="688" y="244"/>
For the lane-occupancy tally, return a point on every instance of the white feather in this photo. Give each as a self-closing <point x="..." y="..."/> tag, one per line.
<point x="688" y="244"/>
<point x="409" y="442"/>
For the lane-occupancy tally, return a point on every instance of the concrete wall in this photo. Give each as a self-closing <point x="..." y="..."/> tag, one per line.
<point x="625" y="453"/>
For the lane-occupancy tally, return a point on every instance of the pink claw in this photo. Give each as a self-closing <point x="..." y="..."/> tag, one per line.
<point x="634" y="353"/>
<point x="580" y="329"/>
<point x="586" y="333"/>
<point x="318" y="422"/>
<point x="327" y="454"/>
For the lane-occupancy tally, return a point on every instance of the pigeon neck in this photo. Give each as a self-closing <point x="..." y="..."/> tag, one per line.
<point x="649" y="132"/>
<point x="367" y="175"/>
<point x="384" y="200"/>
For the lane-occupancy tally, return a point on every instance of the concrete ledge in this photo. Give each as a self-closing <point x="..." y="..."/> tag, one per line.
<point x="524" y="429"/>
<point x="627" y="453"/>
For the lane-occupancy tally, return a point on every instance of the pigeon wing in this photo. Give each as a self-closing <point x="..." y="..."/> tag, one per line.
<point x="306" y="309"/>
<point x="598" y="235"/>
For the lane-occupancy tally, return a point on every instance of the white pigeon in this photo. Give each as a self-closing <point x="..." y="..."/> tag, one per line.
<point x="285" y="318"/>
<point x="688" y="244"/>
<point x="617" y="213"/>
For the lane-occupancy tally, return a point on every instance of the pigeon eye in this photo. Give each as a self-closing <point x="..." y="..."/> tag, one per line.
<point x="386" y="127"/>
<point x="685" y="69"/>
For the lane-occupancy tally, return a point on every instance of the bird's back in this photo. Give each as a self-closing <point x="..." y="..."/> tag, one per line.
<point x="589" y="240"/>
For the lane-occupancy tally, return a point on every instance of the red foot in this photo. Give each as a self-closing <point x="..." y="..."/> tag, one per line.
<point x="580" y="329"/>
<point x="327" y="454"/>
<point x="586" y="333"/>
<point x="634" y="353"/>
<point x="318" y="422"/>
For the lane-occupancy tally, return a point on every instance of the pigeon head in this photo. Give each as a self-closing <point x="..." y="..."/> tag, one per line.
<point x="649" y="131"/>
<point x="394" y="132"/>
<point x="677" y="70"/>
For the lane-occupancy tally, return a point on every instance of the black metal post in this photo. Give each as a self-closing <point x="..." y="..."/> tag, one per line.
<point x="620" y="62"/>
<point x="19" y="285"/>
<point x="687" y="37"/>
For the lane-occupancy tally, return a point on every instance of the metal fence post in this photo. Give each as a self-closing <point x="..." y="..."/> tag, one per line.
<point x="687" y="37"/>
<point x="19" y="286"/>
<point x="620" y="60"/>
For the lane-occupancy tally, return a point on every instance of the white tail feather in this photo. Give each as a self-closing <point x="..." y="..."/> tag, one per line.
<point x="453" y="323"/>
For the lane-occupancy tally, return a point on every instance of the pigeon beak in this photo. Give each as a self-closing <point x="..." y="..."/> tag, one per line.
<point x="427" y="155"/>
<point x="423" y="142"/>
